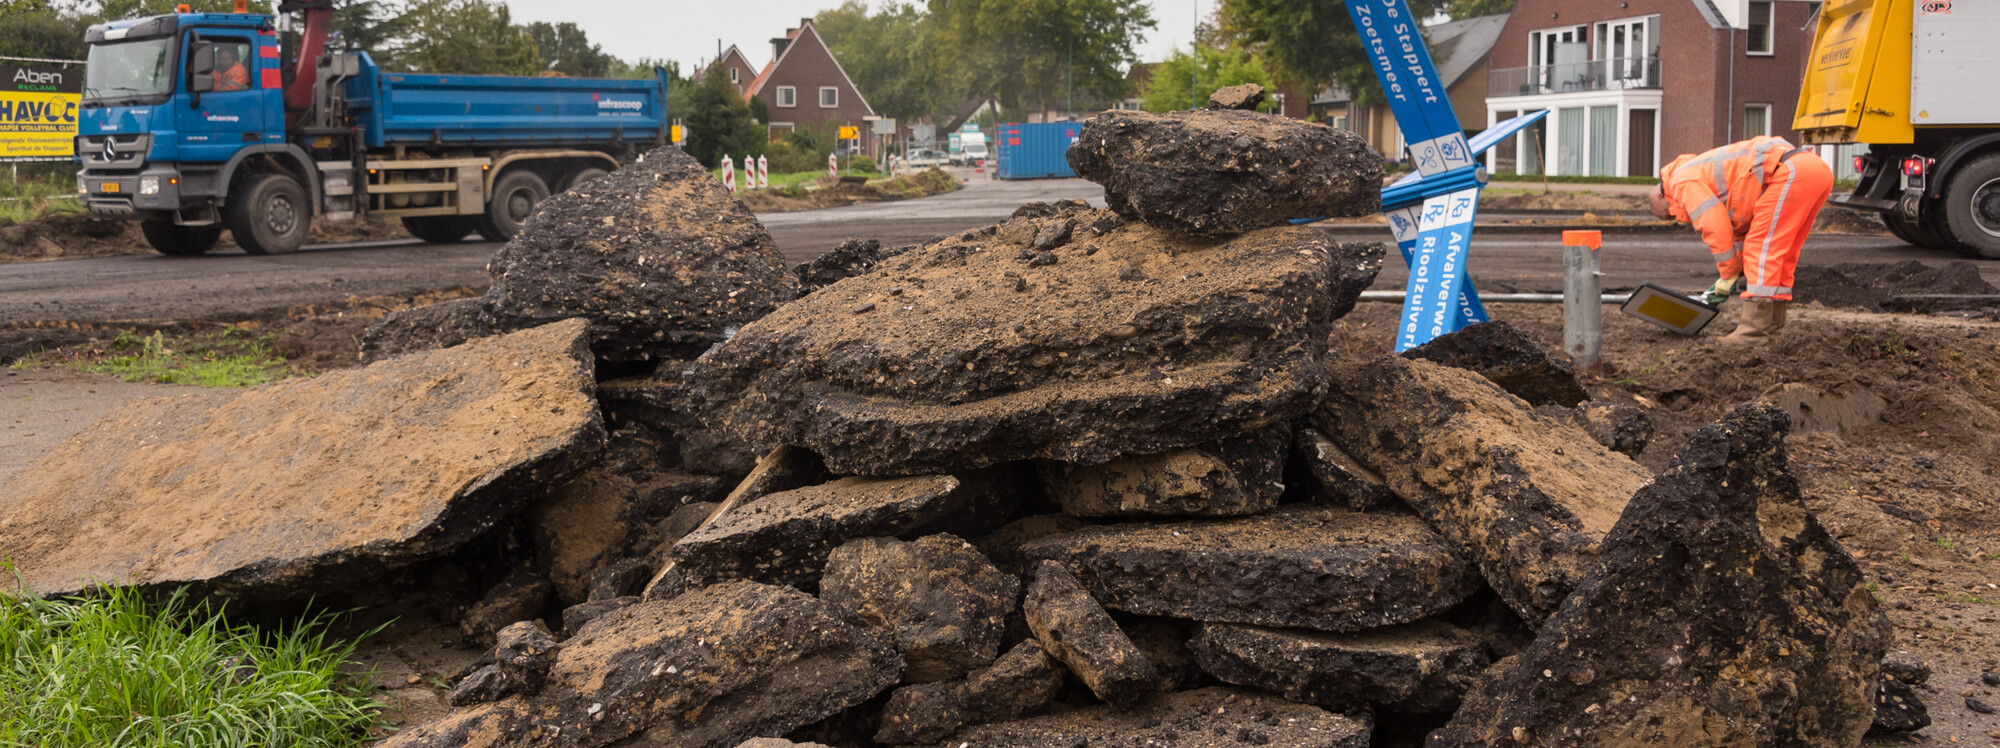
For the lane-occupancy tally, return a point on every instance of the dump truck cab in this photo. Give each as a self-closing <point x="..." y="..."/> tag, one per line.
<point x="174" y="108"/>
<point x="1913" y="79"/>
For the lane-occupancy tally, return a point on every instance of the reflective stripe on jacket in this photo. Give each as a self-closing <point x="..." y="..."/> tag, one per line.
<point x="1717" y="191"/>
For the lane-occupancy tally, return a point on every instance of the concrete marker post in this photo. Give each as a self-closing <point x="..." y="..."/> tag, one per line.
<point x="1583" y="308"/>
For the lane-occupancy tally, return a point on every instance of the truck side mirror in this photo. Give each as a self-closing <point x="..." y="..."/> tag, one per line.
<point x="204" y="58"/>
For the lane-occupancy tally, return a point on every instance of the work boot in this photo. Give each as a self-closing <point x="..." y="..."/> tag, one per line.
<point x="1756" y="322"/>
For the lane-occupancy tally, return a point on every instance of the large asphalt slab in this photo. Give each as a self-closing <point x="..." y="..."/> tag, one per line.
<point x="148" y="287"/>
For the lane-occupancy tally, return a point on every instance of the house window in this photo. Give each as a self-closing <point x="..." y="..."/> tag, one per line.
<point x="829" y="97"/>
<point x="1559" y="58"/>
<point x="1756" y="120"/>
<point x="1760" y="28"/>
<point x="1340" y="122"/>
<point x="1627" y="53"/>
<point x="733" y="76"/>
<point x="788" y="96"/>
<point x="1278" y="104"/>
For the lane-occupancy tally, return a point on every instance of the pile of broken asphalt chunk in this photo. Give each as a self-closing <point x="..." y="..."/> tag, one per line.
<point x="1084" y="478"/>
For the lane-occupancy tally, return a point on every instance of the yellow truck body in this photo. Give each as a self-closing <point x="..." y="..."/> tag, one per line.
<point x="1857" y="86"/>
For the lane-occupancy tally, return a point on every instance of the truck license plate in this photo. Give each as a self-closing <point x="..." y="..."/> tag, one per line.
<point x="108" y="187"/>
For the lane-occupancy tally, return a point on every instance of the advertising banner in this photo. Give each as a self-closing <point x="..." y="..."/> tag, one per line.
<point x="38" y="107"/>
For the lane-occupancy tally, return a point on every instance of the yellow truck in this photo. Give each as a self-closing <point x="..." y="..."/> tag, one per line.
<point x="1918" y="81"/>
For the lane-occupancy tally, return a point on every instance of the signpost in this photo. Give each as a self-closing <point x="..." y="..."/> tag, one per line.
<point x="1432" y="210"/>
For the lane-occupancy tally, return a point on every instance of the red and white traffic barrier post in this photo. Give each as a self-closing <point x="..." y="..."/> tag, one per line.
<point x="729" y="174"/>
<point x="763" y="173"/>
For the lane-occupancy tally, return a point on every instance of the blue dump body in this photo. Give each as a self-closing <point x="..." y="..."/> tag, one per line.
<point x="420" y="109"/>
<point x="1036" y="151"/>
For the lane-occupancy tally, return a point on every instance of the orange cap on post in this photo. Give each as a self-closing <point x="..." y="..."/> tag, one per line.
<point x="1591" y="239"/>
<point x="183" y="8"/>
<point x="242" y="6"/>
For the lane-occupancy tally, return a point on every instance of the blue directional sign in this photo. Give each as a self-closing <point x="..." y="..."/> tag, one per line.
<point x="1432" y="209"/>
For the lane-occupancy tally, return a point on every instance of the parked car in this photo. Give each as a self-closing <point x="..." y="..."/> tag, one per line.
<point x="924" y="158"/>
<point x="972" y="149"/>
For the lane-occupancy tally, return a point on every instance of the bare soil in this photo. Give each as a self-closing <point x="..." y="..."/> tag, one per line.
<point x="64" y="236"/>
<point x="1913" y="496"/>
<point x="827" y="193"/>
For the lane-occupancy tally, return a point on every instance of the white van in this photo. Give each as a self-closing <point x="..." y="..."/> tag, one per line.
<point x="972" y="149"/>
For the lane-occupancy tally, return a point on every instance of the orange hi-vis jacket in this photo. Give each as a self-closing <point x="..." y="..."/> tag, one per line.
<point x="1763" y="193"/>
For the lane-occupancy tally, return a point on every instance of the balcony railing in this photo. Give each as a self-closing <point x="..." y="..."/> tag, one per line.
<point x="1571" y="77"/>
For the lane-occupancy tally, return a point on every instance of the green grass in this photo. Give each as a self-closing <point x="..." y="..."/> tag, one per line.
<point x="225" y="358"/>
<point x="1945" y="543"/>
<point x="1967" y="597"/>
<point x="36" y="196"/>
<point x="1574" y="179"/>
<point x="114" y="670"/>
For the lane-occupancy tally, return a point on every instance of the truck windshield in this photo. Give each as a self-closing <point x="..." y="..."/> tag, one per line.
<point x="129" y="69"/>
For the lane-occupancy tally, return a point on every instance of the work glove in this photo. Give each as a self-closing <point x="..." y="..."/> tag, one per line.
<point x="1722" y="290"/>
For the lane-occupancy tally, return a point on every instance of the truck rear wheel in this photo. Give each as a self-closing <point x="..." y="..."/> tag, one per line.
<point x="582" y="175"/>
<point x="271" y="216"/>
<point x="514" y="198"/>
<point x="1914" y="234"/>
<point x="1972" y="209"/>
<point x="441" y="229"/>
<point x="179" y="241"/>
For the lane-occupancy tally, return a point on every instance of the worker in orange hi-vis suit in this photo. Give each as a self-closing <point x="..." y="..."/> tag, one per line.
<point x="1754" y="202"/>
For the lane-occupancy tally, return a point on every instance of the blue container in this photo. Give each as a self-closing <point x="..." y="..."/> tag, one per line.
<point x="1035" y="151"/>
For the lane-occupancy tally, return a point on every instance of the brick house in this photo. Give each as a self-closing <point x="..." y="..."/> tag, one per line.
<point x="1730" y="69"/>
<point x="803" y="87"/>
<point x="1461" y="50"/>
<point x="737" y="67"/>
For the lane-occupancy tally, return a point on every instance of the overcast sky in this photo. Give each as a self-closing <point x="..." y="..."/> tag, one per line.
<point x="686" y="30"/>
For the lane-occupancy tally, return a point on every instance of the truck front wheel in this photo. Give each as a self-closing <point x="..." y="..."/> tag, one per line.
<point x="515" y="196"/>
<point x="179" y="241"/>
<point x="1972" y="209"/>
<point x="270" y="216"/>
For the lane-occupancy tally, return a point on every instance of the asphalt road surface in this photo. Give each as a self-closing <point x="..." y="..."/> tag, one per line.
<point x="148" y="287"/>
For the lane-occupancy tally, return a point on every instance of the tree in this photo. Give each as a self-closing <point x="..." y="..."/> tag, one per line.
<point x="1312" y="40"/>
<point x="565" y="49"/>
<point x="1173" y="83"/>
<point x="1018" y="51"/>
<point x="719" y="121"/>
<point x="369" y="26"/>
<point x="892" y="57"/>
<point x="113" y="10"/>
<point x="38" y="28"/>
<point x="474" y="37"/>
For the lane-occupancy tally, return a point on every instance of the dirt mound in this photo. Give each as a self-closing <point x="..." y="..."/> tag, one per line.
<point x="1898" y="286"/>
<point x="830" y="193"/>
<point x="68" y="236"/>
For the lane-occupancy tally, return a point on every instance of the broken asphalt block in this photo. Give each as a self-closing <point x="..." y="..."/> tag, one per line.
<point x="520" y="596"/>
<point x="1075" y="629"/>
<point x="657" y="256"/>
<point x="627" y="577"/>
<point x="483" y="685"/>
<point x="1003" y="546"/>
<point x="309" y="483"/>
<point x="708" y="669"/>
<point x="1225" y="478"/>
<point x="429" y="327"/>
<point x="777" y="743"/>
<point x="1722" y="614"/>
<point x="1021" y="681"/>
<point x="1164" y="642"/>
<point x="1337" y="478"/>
<point x="1204" y="718"/>
<point x="1226" y="172"/>
<point x="1298" y="566"/>
<point x="524" y="653"/>
<point x="591" y="521"/>
<point x="851" y="258"/>
<point x="1419" y="668"/>
<point x="944" y="602"/>
<point x="1502" y="353"/>
<point x="575" y="617"/>
<point x="654" y="400"/>
<point x="1138" y="342"/>
<point x="1526" y="497"/>
<point x="1897" y="708"/>
<point x="1621" y="428"/>
<point x="1245" y="97"/>
<point x="784" y="538"/>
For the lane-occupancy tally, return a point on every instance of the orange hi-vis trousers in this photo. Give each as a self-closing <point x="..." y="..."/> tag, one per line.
<point x="1763" y="193"/>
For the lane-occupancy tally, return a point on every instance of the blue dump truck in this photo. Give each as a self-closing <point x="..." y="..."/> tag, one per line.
<point x="196" y="122"/>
